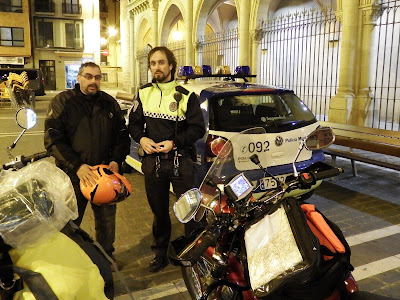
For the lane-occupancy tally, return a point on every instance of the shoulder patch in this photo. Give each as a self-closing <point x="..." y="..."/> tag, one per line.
<point x="182" y="90"/>
<point x="146" y="85"/>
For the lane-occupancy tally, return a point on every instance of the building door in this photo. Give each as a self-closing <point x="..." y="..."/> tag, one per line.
<point x="48" y="68"/>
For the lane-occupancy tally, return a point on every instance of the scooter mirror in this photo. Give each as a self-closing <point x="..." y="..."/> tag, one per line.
<point x="26" y="118"/>
<point x="187" y="205"/>
<point x="322" y="137"/>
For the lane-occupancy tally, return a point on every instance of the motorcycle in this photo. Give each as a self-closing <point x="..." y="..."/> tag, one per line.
<point x="37" y="204"/>
<point x="257" y="244"/>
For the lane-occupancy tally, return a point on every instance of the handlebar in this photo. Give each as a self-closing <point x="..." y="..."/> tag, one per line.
<point x="22" y="160"/>
<point x="207" y="240"/>
<point x="307" y="179"/>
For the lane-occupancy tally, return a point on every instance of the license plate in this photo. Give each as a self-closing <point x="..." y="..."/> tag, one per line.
<point x="268" y="183"/>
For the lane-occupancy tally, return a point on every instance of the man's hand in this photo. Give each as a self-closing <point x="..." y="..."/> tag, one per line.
<point x="113" y="166"/>
<point x="165" y="146"/>
<point x="86" y="175"/>
<point x="148" y="145"/>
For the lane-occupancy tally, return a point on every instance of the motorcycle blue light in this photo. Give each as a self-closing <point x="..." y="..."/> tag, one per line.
<point x="242" y="70"/>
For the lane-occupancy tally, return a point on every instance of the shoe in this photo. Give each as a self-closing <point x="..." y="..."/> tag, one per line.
<point x="158" y="263"/>
<point x="117" y="263"/>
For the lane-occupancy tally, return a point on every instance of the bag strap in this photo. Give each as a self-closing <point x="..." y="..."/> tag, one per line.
<point x="36" y="283"/>
<point x="9" y="285"/>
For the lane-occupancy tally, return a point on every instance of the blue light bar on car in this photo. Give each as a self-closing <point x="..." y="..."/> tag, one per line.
<point x="242" y="70"/>
<point x="185" y="71"/>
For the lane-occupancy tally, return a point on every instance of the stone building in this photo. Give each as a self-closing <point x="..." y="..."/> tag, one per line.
<point x="330" y="52"/>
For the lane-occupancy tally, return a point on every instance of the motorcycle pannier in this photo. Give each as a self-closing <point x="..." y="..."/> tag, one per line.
<point x="281" y="249"/>
<point x="287" y="254"/>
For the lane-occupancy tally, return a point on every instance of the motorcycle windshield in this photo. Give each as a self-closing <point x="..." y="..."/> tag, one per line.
<point x="234" y="158"/>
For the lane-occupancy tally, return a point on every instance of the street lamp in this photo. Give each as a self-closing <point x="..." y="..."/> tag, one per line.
<point x="112" y="31"/>
<point x="177" y="35"/>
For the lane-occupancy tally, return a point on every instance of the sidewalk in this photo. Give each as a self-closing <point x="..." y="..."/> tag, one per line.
<point x="358" y="205"/>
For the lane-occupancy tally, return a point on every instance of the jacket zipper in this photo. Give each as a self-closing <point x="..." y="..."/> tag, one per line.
<point x="161" y="94"/>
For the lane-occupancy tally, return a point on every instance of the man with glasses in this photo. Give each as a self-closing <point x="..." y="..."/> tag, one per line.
<point x="84" y="127"/>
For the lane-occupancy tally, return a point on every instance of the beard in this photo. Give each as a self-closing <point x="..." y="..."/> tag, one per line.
<point x="159" y="76"/>
<point x="91" y="91"/>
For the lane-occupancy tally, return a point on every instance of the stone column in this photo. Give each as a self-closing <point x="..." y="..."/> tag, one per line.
<point x="256" y="38"/>
<point x="244" y="41"/>
<point x="361" y="104"/>
<point x="132" y="47"/>
<point x="340" y="105"/>
<point x="154" y="25"/>
<point x="189" y="33"/>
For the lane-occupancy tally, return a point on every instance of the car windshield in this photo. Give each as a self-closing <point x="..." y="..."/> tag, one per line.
<point x="274" y="112"/>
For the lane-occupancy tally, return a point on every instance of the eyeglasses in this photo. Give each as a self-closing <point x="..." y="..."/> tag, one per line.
<point x="90" y="76"/>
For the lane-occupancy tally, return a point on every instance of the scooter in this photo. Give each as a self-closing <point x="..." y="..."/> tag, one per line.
<point x="42" y="253"/>
<point x="262" y="245"/>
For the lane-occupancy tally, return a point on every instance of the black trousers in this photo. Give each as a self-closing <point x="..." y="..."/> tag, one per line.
<point x="104" y="218"/>
<point x="157" y="191"/>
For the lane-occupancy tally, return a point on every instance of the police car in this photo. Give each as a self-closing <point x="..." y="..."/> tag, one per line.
<point x="230" y="107"/>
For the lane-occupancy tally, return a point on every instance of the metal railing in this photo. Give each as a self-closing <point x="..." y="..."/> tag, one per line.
<point x="179" y="50"/>
<point x="385" y="69"/>
<point x="219" y="49"/>
<point x="48" y="6"/>
<point x="300" y="51"/>
<point x="143" y="66"/>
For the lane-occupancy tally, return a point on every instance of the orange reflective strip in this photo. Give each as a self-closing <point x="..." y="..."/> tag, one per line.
<point x="322" y="239"/>
<point x="317" y="219"/>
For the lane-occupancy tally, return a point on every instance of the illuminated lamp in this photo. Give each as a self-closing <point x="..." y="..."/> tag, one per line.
<point x="185" y="71"/>
<point x="198" y="70"/>
<point x="207" y="69"/>
<point x="242" y="70"/>
<point x="223" y="70"/>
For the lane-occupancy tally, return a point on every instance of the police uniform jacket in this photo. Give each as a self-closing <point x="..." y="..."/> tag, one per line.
<point x="83" y="129"/>
<point x="155" y="112"/>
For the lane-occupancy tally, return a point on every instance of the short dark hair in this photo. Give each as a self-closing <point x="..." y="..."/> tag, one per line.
<point x="168" y="53"/>
<point x="88" y="64"/>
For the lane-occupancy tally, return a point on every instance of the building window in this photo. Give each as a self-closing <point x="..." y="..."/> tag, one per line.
<point x="11" y="6"/>
<point x="12" y="36"/>
<point x="58" y="33"/>
<point x="71" y="7"/>
<point x="44" y="6"/>
<point x="45" y="37"/>
<point x="69" y="35"/>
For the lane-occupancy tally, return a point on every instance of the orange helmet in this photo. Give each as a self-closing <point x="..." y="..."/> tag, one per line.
<point x="110" y="187"/>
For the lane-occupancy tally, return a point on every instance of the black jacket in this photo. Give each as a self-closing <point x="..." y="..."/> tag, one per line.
<point x="81" y="129"/>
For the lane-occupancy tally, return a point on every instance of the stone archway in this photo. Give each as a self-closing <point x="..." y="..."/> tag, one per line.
<point x="143" y="47"/>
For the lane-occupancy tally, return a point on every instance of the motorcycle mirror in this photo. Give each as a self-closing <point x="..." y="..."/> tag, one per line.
<point x="187" y="205"/>
<point x="26" y="118"/>
<point x="322" y="137"/>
